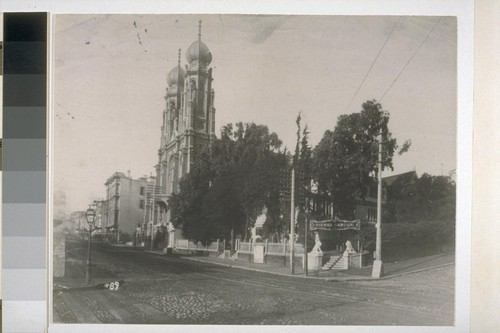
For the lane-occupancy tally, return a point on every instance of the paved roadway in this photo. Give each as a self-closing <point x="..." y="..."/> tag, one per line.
<point x="171" y="290"/>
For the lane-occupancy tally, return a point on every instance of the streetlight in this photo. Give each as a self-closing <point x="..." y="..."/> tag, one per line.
<point x="90" y="216"/>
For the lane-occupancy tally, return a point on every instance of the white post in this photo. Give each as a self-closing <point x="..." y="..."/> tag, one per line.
<point x="152" y="235"/>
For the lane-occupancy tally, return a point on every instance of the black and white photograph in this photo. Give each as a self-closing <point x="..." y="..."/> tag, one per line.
<point x="230" y="169"/>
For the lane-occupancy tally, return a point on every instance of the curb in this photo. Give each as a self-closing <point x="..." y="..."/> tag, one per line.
<point x="329" y="279"/>
<point x="270" y="272"/>
<point x="154" y="252"/>
<point x="415" y="271"/>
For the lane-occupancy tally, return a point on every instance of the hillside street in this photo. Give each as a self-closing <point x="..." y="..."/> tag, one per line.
<point x="165" y="289"/>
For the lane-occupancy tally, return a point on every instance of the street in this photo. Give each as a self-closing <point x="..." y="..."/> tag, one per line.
<point x="168" y="289"/>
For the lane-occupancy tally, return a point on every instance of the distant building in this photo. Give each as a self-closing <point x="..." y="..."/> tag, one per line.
<point x="78" y="220"/>
<point x="124" y="207"/>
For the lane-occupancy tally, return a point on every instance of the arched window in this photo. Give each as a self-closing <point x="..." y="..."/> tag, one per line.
<point x="193" y="92"/>
<point x="171" y="174"/>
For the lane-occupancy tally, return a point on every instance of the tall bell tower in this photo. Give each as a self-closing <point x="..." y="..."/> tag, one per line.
<point x="188" y="120"/>
<point x="199" y="98"/>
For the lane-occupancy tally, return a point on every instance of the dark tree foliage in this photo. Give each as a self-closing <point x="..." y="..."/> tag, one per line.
<point x="428" y="198"/>
<point x="345" y="160"/>
<point x="404" y="240"/>
<point x="187" y="205"/>
<point x="302" y="162"/>
<point x="231" y="183"/>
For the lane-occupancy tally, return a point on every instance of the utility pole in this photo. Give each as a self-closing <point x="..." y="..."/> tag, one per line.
<point x="292" y="223"/>
<point x="153" y="216"/>
<point x="377" y="265"/>
<point x="306" y="222"/>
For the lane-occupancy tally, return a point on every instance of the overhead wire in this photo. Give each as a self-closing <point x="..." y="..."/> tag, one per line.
<point x="373" y="63"/>
<point x="411" y="58"/>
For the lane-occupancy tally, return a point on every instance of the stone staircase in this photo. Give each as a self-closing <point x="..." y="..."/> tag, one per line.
<point x="337" y="263"/>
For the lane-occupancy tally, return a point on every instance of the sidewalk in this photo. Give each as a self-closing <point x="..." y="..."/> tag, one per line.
<point x="391" y="270"/>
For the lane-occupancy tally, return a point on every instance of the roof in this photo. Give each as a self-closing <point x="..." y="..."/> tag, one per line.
<point x="402" y="177"/>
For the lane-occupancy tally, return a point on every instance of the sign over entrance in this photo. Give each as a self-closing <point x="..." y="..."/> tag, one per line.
<point x="335" y="225"/>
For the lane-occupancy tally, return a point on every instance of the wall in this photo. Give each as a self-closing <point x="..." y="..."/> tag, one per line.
<point x="130" y="212"/>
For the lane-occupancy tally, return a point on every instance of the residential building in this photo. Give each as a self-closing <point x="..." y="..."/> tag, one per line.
<point x="366" y="208"/>
<point x="124" y="207"/>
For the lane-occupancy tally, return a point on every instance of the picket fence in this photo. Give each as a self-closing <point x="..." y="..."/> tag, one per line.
<point x="278" y="249"/>
<point x="184" y="244"/>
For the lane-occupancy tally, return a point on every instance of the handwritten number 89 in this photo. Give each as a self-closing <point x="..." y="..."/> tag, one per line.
<point x="114" y="285"/>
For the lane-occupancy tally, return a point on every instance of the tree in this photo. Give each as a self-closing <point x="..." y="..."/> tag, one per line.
<point x="302" y="161"/>
<point x="429" y="198"/>
<point x="256" y="161"/>
<point x="232" y="181"/>
<point x="345" y="161"/>
<point x="302" y="164"/>
<point x="186" y="206"/>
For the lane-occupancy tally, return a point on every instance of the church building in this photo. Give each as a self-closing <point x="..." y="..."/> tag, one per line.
<point x="188" y="126"/>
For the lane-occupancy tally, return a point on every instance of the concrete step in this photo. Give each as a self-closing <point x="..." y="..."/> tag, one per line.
<point x="336" y="262"/>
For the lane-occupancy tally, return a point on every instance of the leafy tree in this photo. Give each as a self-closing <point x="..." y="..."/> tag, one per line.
<point x="404" y="240"/>
<point x="302" y="165"/>
<point x="428" y="198"/>
<point x="303" y="176"/>
<point x="187" y="205"/>
<point x="256" y="164"/>
<point x="345" y="161"/>
<point x="230" y="184"/>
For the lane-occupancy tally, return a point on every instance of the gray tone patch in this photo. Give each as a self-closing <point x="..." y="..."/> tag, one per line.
<point x="24" y="220"/>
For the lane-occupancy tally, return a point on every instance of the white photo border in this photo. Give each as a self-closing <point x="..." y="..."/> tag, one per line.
<point x="462" y="9"/>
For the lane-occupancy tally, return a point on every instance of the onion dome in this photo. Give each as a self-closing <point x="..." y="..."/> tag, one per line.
<point x="199" y="51"/>
<point x="176" y="75"/>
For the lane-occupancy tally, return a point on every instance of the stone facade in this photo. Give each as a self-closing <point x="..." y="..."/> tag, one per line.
<point x="188" y="123"/>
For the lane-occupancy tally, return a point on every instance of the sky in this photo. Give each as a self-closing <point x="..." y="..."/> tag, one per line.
<point x="109" y="80"/>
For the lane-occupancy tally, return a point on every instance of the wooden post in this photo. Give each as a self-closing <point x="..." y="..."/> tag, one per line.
<point x="284" y="252"/>
<point x="305" y="244"/>
<point x="267" y="248"/>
